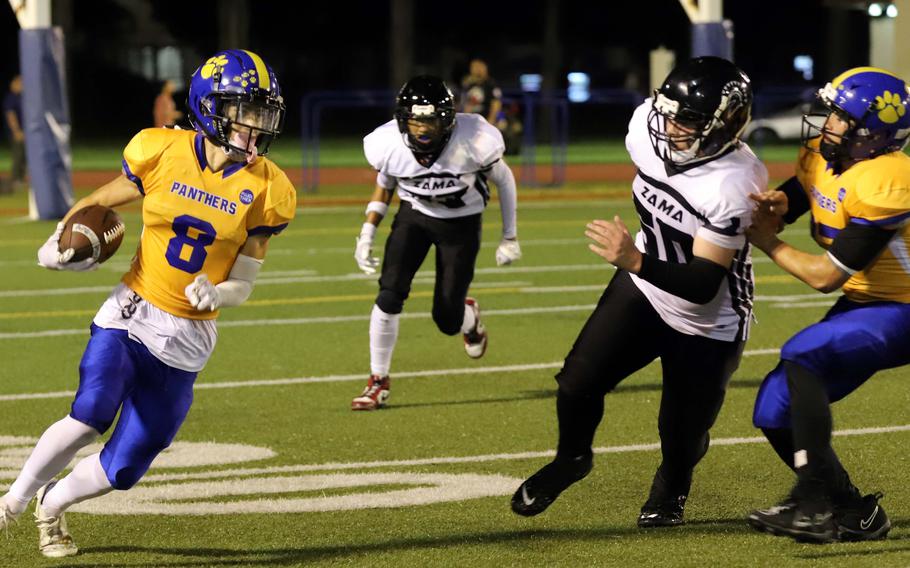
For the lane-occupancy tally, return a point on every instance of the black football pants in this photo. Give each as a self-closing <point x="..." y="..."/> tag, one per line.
<point x="623" y="335"/>
<point x="457" y="243"/>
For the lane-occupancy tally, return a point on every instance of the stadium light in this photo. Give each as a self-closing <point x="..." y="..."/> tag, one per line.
<point x="891" y="11"/>
<point x="805" y="65"/>
<point x="579" y="87"/>
<point x="875" y="10"/>
<point x="530" y="82"/>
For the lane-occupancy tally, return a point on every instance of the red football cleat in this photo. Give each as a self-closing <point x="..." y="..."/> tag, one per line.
<point x="374" y="396"/>
<point x="475" y="341"/>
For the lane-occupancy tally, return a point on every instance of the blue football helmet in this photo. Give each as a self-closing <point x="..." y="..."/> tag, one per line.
<point x="874" y="103"/>
<point x="235" y="101"/>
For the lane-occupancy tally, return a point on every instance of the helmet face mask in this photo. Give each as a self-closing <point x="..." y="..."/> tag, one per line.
<point x="871" y="103"/>
<point x="235" y="101"/>
<point x="246" y="125"/>
<point x="699" y="112"/>
<point x="425" y="113"/>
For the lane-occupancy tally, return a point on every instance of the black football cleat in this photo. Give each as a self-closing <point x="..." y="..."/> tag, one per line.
<point x="804" y="522"/>
<point x="664" y="513"/>
<point x="775" y="519"/>
<point x="862" y="520"/>
<point x="540" y="490"/>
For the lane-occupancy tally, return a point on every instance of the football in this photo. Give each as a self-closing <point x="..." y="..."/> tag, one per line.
<point x="95" y="232"/>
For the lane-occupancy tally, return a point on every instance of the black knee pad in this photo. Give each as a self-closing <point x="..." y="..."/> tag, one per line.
<point x="449" y="319"/>
<point x="578" y="379"/>
<point x="390" y="301"/>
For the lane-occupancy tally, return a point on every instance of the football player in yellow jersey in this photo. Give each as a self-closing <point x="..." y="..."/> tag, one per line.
<point x="210" y="204"/>
<point x="855" y="181"/>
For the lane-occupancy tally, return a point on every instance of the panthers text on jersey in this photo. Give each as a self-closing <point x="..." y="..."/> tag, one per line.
<point x="871" y="192"/>
<point x="709" y="201"/>
<point x="455" y="185"/>
<point x="196" y="220"/>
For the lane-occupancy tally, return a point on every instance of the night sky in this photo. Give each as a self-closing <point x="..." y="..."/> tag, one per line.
<point x="345" y="45"/>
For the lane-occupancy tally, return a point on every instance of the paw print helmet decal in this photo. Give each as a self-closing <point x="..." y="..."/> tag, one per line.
<point x="874" y="102"/>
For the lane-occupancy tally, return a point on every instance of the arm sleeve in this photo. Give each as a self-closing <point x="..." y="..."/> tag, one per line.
<point x="857" y="246"/>
<point x="696" y="282"/>
<point x="239" y="284"/>
<point x="502" y="176"/>
<point x="797" y="200"/>
<point x="274" y="208"/>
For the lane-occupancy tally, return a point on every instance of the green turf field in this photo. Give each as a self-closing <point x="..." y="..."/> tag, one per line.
<point x="343" y="152"/>
<point x="273" y="469"/>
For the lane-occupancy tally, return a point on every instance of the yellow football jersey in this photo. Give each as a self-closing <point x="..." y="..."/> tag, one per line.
<point x="196" y="220"/>
<point x="871" y="192"/>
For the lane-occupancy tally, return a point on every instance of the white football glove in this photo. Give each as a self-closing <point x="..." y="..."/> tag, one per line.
<point x="507" y="252"/>
<point x="202" y="294"/>
<point x="363" y="254"/>
<point x="49" y="255"/>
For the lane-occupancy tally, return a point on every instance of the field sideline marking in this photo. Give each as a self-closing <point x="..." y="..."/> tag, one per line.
<point x="483" y="458"/>
<point x="353" y="377"/>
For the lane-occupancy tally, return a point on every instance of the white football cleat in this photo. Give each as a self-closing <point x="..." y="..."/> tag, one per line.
<point x="54" y="540"/>
<point x="374" y="396"/>
<point x="475" y="341"/>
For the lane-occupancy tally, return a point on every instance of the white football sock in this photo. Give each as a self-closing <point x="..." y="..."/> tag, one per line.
<point x="467" y="325"/>
<point x="53" y="452"/>
<point x="383" y="335"/>
<point x="87" y="480"/>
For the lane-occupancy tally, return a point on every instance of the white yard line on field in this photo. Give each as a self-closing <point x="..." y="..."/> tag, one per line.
<point x="353" y="377"/>
<point x="483" y="458"/>
<point x="309" y="320"/>
<point x="420" y="315"/>
<point x="297" y="278"/>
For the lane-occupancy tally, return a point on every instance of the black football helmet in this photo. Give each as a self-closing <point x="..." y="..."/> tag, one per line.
<point x="427" y="99"/>
<point x="709" y="101"/>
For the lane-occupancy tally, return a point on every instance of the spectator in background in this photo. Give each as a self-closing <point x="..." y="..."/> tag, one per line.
<point x="12" y="115"/>
<point x="479" y="93"/>
<point x="166" y="113"/>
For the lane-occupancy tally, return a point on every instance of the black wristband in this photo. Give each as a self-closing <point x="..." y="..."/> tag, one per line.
<point x="797" y="200"/>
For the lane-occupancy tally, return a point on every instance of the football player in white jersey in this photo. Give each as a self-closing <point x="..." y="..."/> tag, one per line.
<point x="682" y="290"/>
<point x="440" y="162"/>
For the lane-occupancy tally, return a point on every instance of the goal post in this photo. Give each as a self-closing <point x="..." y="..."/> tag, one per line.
<point x="45" y="110"/>
<point x="711" y="34"/>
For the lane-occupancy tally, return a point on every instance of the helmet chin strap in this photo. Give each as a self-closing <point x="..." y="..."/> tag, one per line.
<point x="683" y="156"/>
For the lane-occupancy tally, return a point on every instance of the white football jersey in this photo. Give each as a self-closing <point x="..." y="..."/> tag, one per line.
<point x="709" y="201"/>
<point x="455" y="185"/>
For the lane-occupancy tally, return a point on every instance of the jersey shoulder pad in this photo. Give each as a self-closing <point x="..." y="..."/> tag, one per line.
<point x="881" y="195"/>
<point x="379" y="144"/>
<point x="809" y="163"/>
<point x="637" y="140"/>
<point x="276" y="204"/>
<point x="145" y="150"/>
<point x="147" y="143"/>
<point x="484" y="140"/>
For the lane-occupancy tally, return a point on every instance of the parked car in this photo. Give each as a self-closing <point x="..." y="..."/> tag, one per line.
<point x="782" y="125"/>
